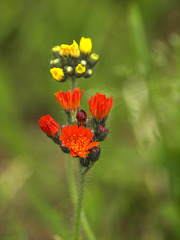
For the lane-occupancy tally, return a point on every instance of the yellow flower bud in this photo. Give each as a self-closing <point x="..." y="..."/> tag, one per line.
<point x="74" y="49"/>
<point x="57" y="73"/>
<point x="80" y="69"/>
<point x="93" y="59"/>
<point x="64" y="50"/>
<point x="85" y="45"/>
<point x="56" y="49"/>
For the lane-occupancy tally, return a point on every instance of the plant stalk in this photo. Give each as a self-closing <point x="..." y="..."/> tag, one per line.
<point x="73" y="194"/>
<point x="73" y="83"/>
<point x="73" y="188"/>
<point x="77" y="219"/>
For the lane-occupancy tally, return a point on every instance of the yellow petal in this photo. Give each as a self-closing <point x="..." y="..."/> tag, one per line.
<point x="57" y="73"/>
<point x="80" y="69"/>
<point x="74" y="49"/>
<point x="85" y="45"/>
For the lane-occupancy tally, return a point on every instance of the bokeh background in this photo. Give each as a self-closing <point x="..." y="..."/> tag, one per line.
<point x="133" y="191"/>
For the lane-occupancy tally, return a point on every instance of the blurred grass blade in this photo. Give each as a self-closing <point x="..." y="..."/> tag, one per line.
<point x="13" y="179"/>
<point x="141" y="117"/>
<point x="46" y="213"/>
<point x="12" y="134"/>
<point x="139" y="38"/>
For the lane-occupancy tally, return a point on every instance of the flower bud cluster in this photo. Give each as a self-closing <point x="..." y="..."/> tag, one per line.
<point x="81" y="136"/>
<point x="73" y="60"/>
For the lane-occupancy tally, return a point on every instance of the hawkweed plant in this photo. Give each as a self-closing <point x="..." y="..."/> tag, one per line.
<point x="79" y="136"/>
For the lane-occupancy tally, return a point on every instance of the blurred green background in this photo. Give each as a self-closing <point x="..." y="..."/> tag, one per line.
<point x="133" y="191"/>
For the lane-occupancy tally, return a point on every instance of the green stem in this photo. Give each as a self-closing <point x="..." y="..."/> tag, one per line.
<point x="86" y="226"/>
<point x="73" y="194"/>
<point x="73" y="83"/>
<point x="73" y="189"/>
<point x="79" y="205"/>
<point x="71" y="180"/>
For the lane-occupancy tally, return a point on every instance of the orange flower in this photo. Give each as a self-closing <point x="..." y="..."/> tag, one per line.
<point x="69" y="101"/>
<point x="78" y="140"/>
<point x="49" y="126"/>
<point x="99" y="106"/>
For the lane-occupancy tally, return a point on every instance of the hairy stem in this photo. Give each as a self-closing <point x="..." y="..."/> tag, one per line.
<point x="73" y="188"/>
<point x="73" y="194"/>
<point x="79" y="206"/>
<point x="71" y="180"/>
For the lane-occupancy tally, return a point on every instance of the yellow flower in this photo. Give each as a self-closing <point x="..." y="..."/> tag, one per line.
<point x="57" y="73"/>
<point x="56" y="49"/>
<point x="74" y="49"/>
<point x="80" y="69"/>
<point x="64" y="50"/>
<point x="85" y="45"/>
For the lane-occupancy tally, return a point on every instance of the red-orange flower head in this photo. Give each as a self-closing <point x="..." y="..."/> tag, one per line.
<point x="99" y="106"/>
<point x="78" y="140"/>
<point x="49" y="126"/>
<point x="69" y="101"/>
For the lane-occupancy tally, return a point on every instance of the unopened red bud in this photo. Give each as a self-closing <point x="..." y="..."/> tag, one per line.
<point x="64" y="148"/>
<point x="81" y="116"/>
<point x="84" y="162"/>
<point x="49" y="126"/>
<point x="103" y="129"/>
<point x="94" y="154"/>
<point x="101" y="133"/>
